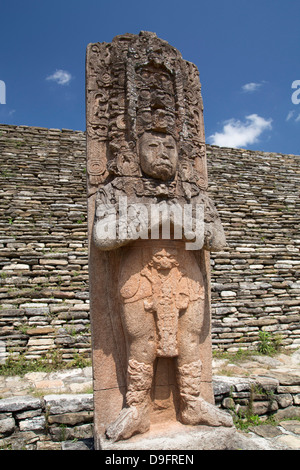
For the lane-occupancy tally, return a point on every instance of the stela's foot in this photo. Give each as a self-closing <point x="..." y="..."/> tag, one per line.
<point x="199" y="411"/>
<point x="131" y="420"/>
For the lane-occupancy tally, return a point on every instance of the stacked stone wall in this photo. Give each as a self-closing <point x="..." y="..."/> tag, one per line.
<point x="56" y="421"/>
<point x="43" y="242"/>
<point x="43" y="245"/>
<point x="256" y="281"/>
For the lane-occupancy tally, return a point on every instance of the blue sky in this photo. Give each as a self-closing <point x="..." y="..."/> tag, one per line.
<point x="247" y="53"/>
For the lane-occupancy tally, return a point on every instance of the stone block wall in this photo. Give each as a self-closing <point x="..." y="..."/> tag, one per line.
<point x="256" y="281"/>
<point x="29" y="423"/>
<point x="261" y="396"/>
<point x="54" y="422"/>
<point x="43" y="245"/>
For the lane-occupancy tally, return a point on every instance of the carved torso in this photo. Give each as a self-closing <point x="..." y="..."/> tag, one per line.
<point x="166" y="281"/>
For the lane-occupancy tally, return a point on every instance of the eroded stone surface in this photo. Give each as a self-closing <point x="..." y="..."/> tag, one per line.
<point x="150" y="282"/>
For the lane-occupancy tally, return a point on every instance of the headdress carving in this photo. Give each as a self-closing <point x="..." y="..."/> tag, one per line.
<point x="141" y="84"/>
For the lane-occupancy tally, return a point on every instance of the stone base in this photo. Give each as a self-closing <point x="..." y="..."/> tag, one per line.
<point x="175" y="436"/>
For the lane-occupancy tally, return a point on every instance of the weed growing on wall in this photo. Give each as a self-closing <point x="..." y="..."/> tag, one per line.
<point x="48" y="363"/>
<point x="268" y="344"/>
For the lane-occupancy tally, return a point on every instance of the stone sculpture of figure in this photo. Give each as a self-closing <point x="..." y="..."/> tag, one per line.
<point x="149" y="295"/>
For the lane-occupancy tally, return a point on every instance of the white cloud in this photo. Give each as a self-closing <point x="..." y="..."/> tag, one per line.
<point x="290" y="115"/>
<point x="62" y="77"/>
<point x="240" y="134"/>
<point x="250" y="87"/>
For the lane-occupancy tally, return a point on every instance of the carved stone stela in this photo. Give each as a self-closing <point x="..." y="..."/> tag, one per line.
<point x="149" y="285"/>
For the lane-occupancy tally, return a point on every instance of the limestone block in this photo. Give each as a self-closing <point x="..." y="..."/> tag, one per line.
<point x="58" y="404"/>
<point x="284" y="400"/>
<point x="62" y="433"/>
<point x="40" y="342"/>
<point x="7" y="424"/>
<point x="72" y="419"/>
<point x="37" y="423"/>
<point x="296" y="399"/>
<point x="228" y="293"/>
<point x="289" y="412"/>
<point x="290" y="441"/>
<point x="263" y="407"/>
<point x="19" y="403"/>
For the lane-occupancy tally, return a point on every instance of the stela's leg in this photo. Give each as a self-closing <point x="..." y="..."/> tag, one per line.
<point x="140" y="329"/>
<point x="193" y="408"/>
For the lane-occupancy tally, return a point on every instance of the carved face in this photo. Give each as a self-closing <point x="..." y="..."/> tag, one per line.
<point x="163" y="260"/>
<point x="158" y="155"/>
